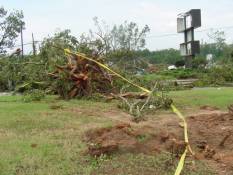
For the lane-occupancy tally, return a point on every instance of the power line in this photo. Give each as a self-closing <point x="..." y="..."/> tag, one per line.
<point x="226" y="27"/>
<point x="152" y="36"/>
<point x="164" y="35"/>
<point x="198" y="31"/>
<point x="25" y="44"/>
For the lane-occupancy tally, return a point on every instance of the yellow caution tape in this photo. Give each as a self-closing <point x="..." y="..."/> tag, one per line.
<point x="182" y="159"/>
<point x="180" y="166"/>
<point x="177" y="112"/>
<point x="174" y="109"/>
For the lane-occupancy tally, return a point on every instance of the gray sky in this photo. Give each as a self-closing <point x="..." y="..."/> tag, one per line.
<point x="44" y="17"/>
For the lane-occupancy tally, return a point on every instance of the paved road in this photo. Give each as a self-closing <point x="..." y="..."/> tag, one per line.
<point x="5" y="93"/>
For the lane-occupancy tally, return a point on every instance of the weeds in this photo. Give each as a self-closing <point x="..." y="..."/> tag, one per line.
<point x="33" y="95"/>
<point x="157" y="99"/>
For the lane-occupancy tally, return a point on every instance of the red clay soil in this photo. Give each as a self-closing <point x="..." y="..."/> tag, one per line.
<point x="124" y="138"/>
<point x="212" y="137"/>
<point x="210" y="134"/>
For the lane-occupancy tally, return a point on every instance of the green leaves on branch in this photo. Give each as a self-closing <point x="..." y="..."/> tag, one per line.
<point x="10" y="26"/>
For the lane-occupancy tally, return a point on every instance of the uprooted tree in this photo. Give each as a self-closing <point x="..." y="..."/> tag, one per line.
<point x="81" y="77"/>
<point x="77" y="77"/>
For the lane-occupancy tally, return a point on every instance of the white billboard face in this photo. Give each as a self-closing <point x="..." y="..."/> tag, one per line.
<point x="189" y="49"/>
<point x="183" y="50"/>
<point x="180" y="25"/>
<point x="189" y="35"/>
<point x="209" y="57"/>
<point x="188" y="22"/>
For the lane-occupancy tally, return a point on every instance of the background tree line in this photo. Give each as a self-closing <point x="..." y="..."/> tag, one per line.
<point x="123" y="47"/>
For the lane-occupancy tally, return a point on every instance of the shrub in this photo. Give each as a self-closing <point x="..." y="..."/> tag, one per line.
<point x="33" y="95"/>
<point x="216" y="76"/>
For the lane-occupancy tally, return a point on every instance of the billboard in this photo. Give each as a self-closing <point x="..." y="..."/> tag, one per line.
<point x="186" y="23"/>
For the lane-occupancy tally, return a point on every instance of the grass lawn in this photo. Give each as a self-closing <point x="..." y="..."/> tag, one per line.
<point x="219" y="97"/>
<point x="35" y="139"/>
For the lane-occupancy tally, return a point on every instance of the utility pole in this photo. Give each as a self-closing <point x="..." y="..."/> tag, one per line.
<point x="21" y="31"/>
<point x="33" y="45"/>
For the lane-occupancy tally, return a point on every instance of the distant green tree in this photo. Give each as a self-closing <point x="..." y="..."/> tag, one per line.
<point x="118" y="44"/>
<point x="180" y="63"/>
<point x="10" y="25"/>
<point x="217" y="47"/>
<point x="124" y="37"/>
<point x="166" y="56"/>
<point x="227" y="57"/>
<point x="219" y="39"/>
<point x="220" y="50"/>
<point x="199" y="62"/>
<point x="231" y="54"/>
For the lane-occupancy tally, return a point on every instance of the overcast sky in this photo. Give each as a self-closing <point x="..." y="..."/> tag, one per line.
<point x="44" y="17"/>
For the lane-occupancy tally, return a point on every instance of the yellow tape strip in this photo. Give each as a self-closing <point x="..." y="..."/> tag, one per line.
<point x="175" y="110"/>
<point x="180" y="166"/>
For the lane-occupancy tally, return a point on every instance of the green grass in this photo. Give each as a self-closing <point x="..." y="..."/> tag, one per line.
<point x="57" y="135"/>
<point x="141" y="164"/>
<point x="171" y="75"/>
<point x="154" y="77"/>
<point x="219" y="97"/>
<point x="38" y="140"/>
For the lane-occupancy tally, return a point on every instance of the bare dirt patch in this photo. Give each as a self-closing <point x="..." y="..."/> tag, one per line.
<point x="125" y="138"/>
<point x="210" y="133"/>
<point x="209" y="108"/>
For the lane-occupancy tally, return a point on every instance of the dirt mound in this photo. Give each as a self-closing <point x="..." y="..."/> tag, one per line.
<point x="124" y="138"/>
<point x="210" y="134"/>
<point x="209" y="108"/>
